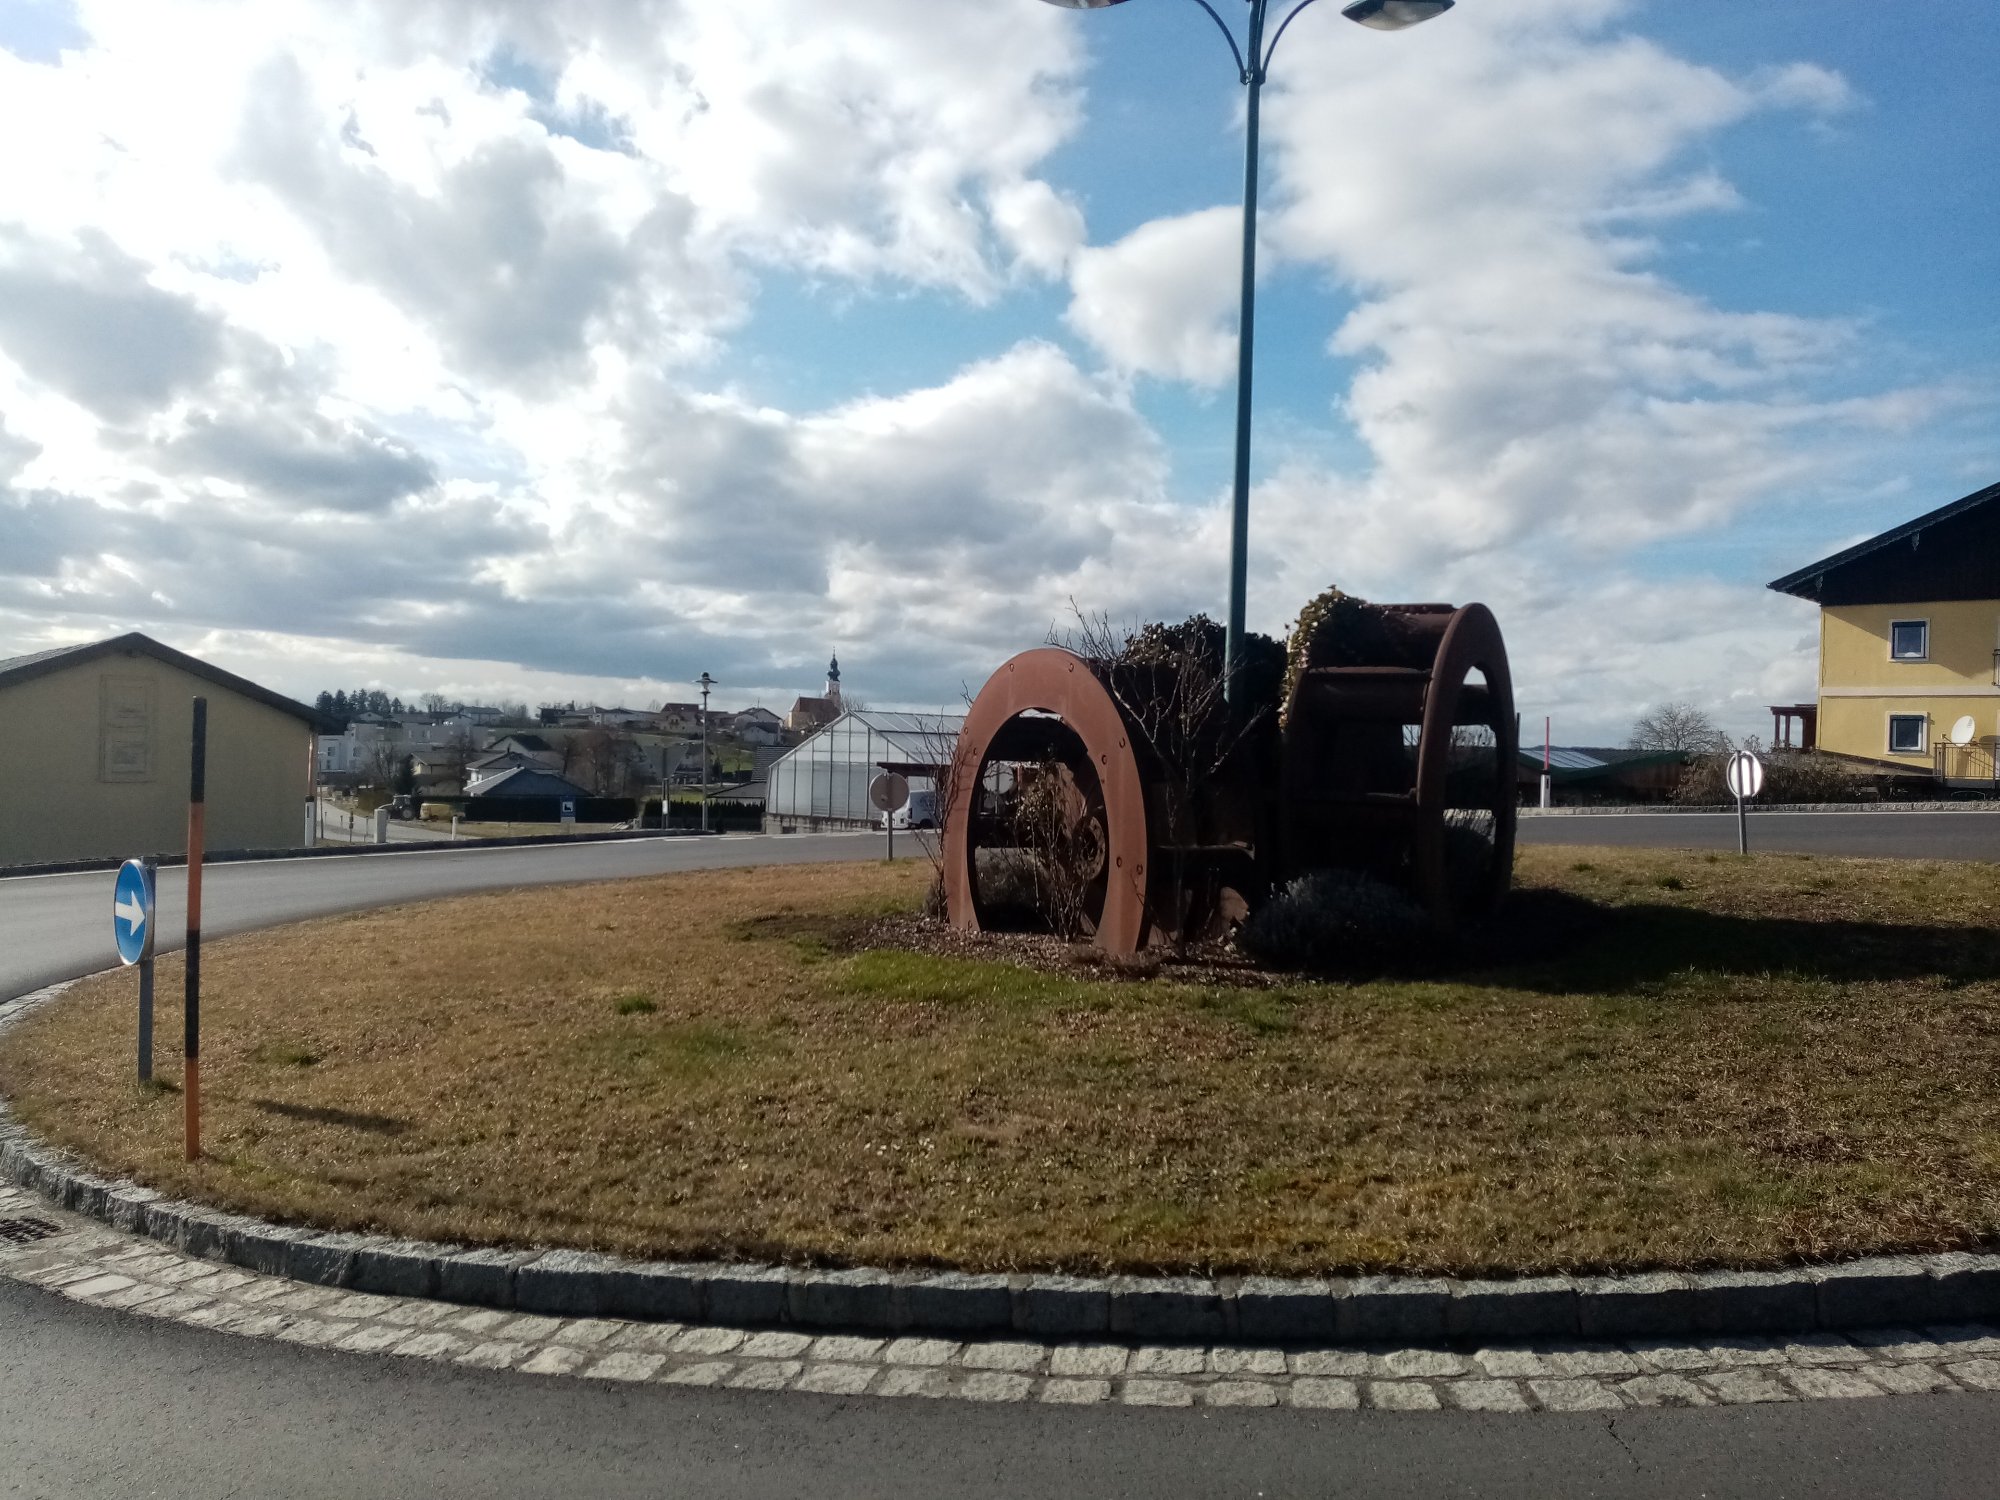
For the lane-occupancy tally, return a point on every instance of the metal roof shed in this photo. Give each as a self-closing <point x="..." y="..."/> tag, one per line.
<point x="823" y="782"/>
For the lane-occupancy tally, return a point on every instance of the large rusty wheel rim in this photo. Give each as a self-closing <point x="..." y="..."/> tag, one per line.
<point x="1056" y="684"/>
<point x="1472" y="643"/>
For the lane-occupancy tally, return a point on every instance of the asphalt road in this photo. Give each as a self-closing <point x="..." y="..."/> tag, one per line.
<point x="56" y="927"/>
<point x="1872" y="835"/>
<point x="96" y="1403"/>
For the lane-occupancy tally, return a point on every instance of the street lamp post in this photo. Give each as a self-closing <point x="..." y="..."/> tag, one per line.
<point x="1253" y="62"/>
<point x="707" y="682"/>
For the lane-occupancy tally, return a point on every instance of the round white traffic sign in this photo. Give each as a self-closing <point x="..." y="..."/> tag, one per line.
<point x="1745" y="774"/>
<point x="889" y="792"/>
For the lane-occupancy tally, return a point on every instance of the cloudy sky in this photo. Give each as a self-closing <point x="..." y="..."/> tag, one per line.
<point x="530" y="351"/>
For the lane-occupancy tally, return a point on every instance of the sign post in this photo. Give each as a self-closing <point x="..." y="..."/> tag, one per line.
<point x="132" y="931"/>
<point x="197" y="835"/>
<point x="888" y="794"/>
<point x="1745" y="775"/>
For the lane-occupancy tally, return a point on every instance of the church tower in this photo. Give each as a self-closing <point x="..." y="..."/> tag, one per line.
<point x="833" y="680"/>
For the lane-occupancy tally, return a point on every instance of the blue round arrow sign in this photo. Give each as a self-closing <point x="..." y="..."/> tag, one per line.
<point x="132" y="912"/>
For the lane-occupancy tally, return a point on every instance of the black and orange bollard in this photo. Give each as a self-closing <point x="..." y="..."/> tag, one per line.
<point x="197" y="811"/>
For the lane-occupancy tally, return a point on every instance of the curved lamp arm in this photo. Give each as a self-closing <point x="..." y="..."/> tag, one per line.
<point x="1229" y="36"/>
<point x="1272" y="50"/>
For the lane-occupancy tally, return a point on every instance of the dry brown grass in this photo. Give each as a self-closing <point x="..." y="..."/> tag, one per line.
<point x="1728" y="1062"/>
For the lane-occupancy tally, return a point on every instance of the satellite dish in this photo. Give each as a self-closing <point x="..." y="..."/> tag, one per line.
<point x="1963" y="730"/>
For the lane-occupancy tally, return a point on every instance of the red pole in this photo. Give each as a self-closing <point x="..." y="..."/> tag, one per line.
<point x="197" y="832"/>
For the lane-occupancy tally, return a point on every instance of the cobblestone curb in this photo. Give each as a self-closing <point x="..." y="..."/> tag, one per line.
<point x="88" y="1263"/>
<point x="1883" y="1291"/>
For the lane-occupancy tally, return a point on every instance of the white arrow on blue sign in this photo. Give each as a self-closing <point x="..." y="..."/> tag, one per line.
<point x="132" y="912"/>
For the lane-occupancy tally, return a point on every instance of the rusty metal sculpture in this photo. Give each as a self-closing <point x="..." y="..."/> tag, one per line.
<point x="1392" y="752"/>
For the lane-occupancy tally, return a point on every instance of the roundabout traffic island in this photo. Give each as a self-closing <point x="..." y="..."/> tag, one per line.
<point x="779" y="1096"/>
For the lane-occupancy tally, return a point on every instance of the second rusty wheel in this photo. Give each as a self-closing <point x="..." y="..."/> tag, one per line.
<point x="1047" y="709"/>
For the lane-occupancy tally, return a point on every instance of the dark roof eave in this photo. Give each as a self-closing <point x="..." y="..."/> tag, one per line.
<point x="43" y="664"/>
<point x="1804" y="583"/>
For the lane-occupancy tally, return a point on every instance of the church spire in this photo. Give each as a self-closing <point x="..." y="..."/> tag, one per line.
<point x="833" y="677"/>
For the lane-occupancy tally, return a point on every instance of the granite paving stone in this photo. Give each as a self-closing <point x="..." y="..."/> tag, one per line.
<point x="652" y="1338"/>
<point x="1817" y="1382"/>
<point x="1821" y="1349"/>
<point x="836" y="1380"/>
<point x="316" y="1331"/>
<point x="1075" y="1392"/>
<point x="1004" y="1354"/>
<point x="1424" y="1363"/>
<point x="1575" y="1395"/>
<point x="1896" y="1343"/>
<point x="1346" y="1362"/>
<point x="1239" y="1393"/>
<point x="1486" y="1395"/>
<point x="1157" y="1393"/>
<point x="1587" y="1360"/>
<point x="847" y="1349"/>
<point x="1246" y="1361"/>
<point x="1169" y="1361"/>
<point x="765" y="1374"/>
<point x="554" y="1359"/>
<point x="1980" y="1374"/>
<point x="1095" y="1360"/>
<point x="708" y="1372"/>
<point x="1745" y="1387"/>
<point x="1664" y="1390"/>
<point x="915" y="1351"/>
<point x="995" y="1385"/>
<point x="1401" y="1395"/>
<point x="708" y="1341"/>
<point x="775" y="1345"/>
<point x="132" y="1296"/>
<point x="1324" y="1395"/>
<point x="430" y="1345"/>
<point x="625" y="1364"/>
<point x="1961" y="1339"/>
<point x="1908" y="1380"/>
<point x="914" y="1380"/>
<point x="370" y="1339"/>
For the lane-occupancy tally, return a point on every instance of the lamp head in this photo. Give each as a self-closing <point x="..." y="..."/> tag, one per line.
<point x="1383" y="15"/>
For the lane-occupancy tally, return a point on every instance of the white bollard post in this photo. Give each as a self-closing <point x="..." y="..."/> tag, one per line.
<point x="382" y="824"/>
<point x="1548" y="799"/>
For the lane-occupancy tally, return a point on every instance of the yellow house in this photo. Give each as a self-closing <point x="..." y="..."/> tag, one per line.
<point x="1909" y="646"/>
<point x="95" y="746"/>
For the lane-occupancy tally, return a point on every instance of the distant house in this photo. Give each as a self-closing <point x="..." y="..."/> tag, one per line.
<point x="621" y="718"/>
<point x="1597" y="773"/>
<point x="94" y="754"/>
<point x="1909" y="646"/>
<point x="757" y="726"/>
<point x="525" y="782"/>
<point x="678" y="718"/>
<point x="530" y="748"/>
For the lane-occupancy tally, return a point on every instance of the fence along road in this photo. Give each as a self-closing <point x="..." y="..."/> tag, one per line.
<point x="55" y="927"/>
<point x="1860" y="835"/>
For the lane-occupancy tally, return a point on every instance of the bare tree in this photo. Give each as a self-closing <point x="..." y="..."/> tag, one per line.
<point x="436" y="703"/>
<point x="1676" y="726"/>
<point x="1170" y="686"/>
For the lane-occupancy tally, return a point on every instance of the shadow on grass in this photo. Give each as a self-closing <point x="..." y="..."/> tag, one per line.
<point x="1563" y="944"/>
<point x="374" y="1124"/>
